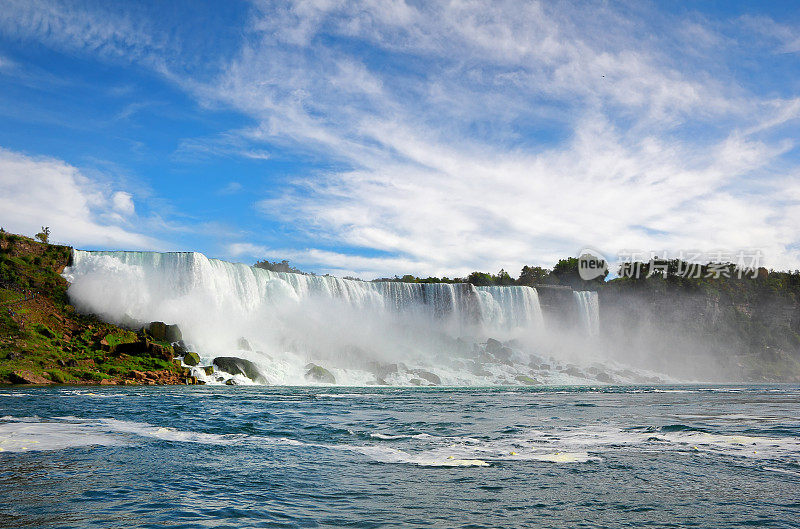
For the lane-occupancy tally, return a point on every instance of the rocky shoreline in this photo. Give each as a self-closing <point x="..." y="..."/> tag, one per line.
<point x="44" y="340"/>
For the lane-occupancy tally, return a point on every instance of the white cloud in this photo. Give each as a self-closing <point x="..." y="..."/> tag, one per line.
<point x="123" y="203"/>
<point x="488" y="134"/>
<point x="446" y="200"/>
<point x="37" y="192"/>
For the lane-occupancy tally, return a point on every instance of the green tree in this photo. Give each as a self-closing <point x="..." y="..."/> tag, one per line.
<point x="480" y="279"/>
<point x="278" y="266"/>
<point x="44" y="235"/>
<point x="533" y="275"/>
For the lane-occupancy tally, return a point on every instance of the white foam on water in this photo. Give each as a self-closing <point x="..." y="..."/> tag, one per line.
<point x="601" y="439"/>
<point x="33" y="433"/>
<point x="739" y="445"/>
<point x="168" y="434"/>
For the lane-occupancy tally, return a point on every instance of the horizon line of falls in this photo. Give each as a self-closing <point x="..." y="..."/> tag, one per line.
<point x="363" y="332"/>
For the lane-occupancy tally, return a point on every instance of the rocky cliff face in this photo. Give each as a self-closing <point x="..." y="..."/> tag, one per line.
<point x="44" y="340"/>
<point x="558" y="307"/>
<point x="742" y="330"/>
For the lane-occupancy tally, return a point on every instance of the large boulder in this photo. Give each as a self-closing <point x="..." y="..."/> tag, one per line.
<point x="426" y="375"/>
<point x="504" y="354"/>
<point x="161" y="332"/>
<point x="158" y="330"/>
<point x="191" y="359"/>
<point x="164" y="352"/>
<point x="382" y="370"/>
<point x="173" y="334"/>
<point x="27" y="377"/>
<point x="493" y="346"/>
<point x="319" y="374"/>
<point x="528" y="381"/>
<point x="239" y="366"/>
<point x="145" y="347"/>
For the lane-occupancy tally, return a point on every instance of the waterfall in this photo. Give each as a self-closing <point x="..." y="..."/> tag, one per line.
<point x="510" y="306"/>
<point x="588" y="310"/>
<point x="315" y="318"/>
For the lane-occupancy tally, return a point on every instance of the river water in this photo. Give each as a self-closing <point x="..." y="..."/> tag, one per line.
<point x="258" y="456"/>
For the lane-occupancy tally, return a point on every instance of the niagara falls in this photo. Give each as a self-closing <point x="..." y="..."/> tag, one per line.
<point x="363" y="332"/>
<point x="399" y="264"/>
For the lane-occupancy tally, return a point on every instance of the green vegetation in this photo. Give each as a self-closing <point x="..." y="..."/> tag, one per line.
<point x="42" y="334"/>
<point x="278" y="266"/>
<point x="44" y="235"/>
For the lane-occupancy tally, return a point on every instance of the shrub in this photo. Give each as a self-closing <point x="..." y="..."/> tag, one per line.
<point x="58" y="376"/>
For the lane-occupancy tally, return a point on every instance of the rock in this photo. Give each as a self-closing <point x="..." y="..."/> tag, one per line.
<point x="416" y="382"/>
<point x="173" y="334"/>
<point x="164" y="352"/>
<point x="104" y="345"/>
<point x="243" y="344"/>
<point x="426" y="375"/>
<point x="209" y="370"/>
<point x="107" y="382"/>
<point x="485" y="358"/>
<point x="45" y="331"/>
<point x="192" y="359"/>
<point x="138" y="375"/>
<point x="525" y="379"/>
<point x="145" y="347"/>
<point x="180" y="348"/>
<point x="27" y="377"/>
<point x="319" y="374"/>
<point x="493" y="346"/>
<point x="479" y="371"/>
<point x="158" y="330"/>
<point x="574" y="372"/>
<point x="604" y="377"/>
<point x="504" y="353"/>
<point x="161" y="332"/>
<point x="239" y="366"/>
<point x="381" y="370"/>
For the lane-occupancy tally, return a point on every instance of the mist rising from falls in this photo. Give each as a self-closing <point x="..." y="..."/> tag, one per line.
<point x="349" y="326"/>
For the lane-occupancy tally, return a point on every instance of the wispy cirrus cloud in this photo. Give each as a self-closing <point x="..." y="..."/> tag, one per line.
<point x="463" y="136"/>
<point x="484" y="137"/>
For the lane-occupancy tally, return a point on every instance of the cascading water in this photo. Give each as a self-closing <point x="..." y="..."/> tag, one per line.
<point x="588" y="309"/>
<point x="364" y="332"/>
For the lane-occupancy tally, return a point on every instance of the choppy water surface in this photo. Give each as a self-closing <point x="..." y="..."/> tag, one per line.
<point x="343" y="457"/>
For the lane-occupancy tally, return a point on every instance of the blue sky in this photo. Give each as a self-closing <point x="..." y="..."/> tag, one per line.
<point x="376" y="138"/>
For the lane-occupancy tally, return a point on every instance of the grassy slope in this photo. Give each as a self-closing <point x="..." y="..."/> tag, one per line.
<point x="44" y="335"/>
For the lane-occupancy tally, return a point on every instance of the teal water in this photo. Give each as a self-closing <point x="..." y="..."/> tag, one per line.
<point x="684" y="456"/>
